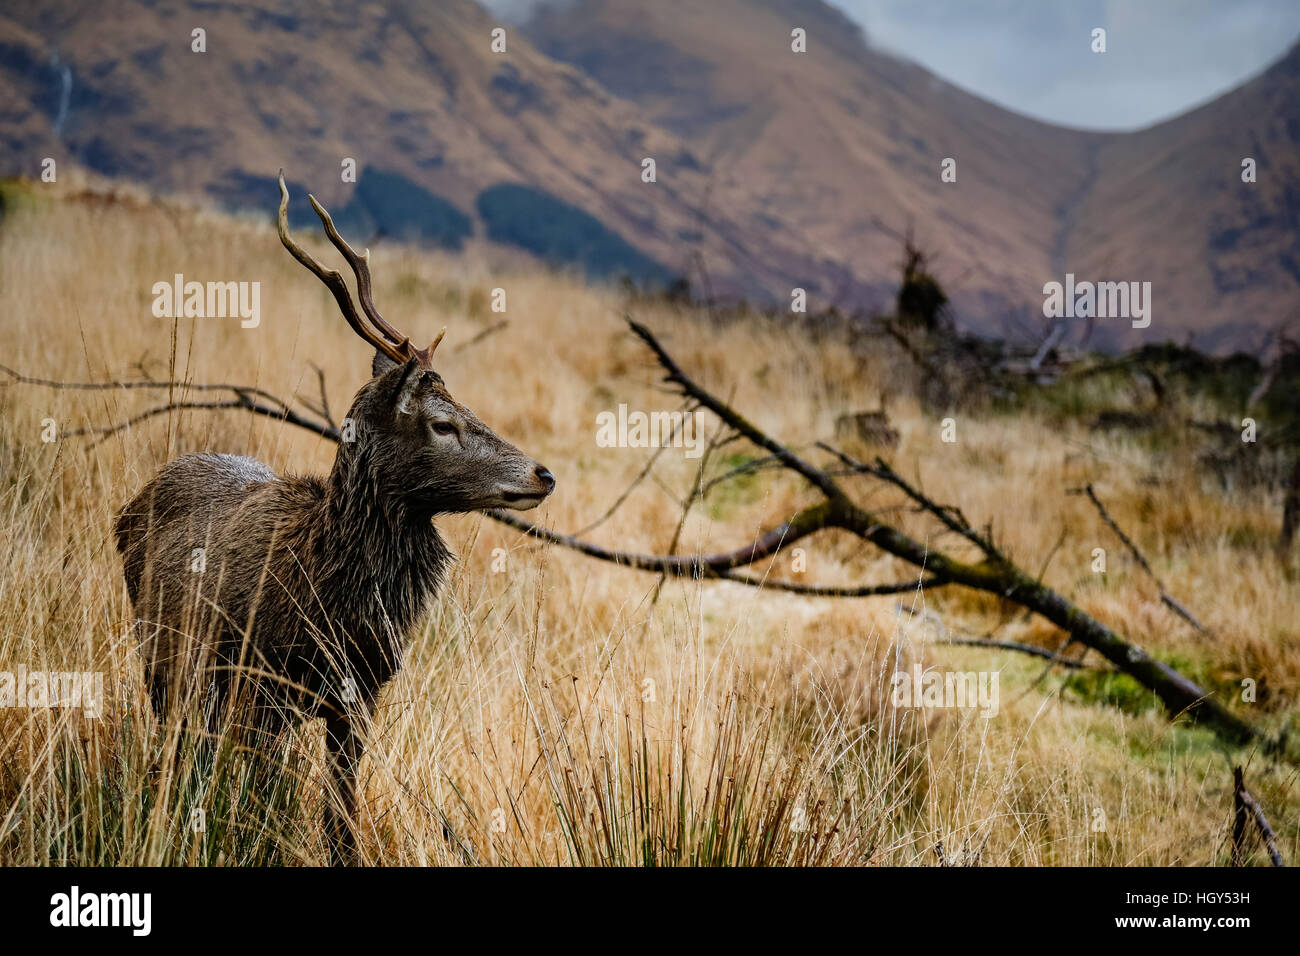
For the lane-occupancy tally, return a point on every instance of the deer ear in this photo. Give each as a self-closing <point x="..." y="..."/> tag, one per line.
<point x="407" y="385"/>
<point x="381" y="364"/>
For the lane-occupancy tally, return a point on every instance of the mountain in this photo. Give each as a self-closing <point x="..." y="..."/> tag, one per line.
<point x="774" y="169"/>
<point x="434" y="119"/>
<point x="1169" y="204"/>
<point x="847" y="142"/>
<point x="842" y="143"/>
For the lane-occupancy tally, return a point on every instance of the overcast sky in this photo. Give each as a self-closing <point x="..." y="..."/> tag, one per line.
<point x="1163" y="56"/>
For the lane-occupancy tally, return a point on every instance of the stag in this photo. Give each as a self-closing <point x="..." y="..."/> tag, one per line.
<point x="281" y="599"/>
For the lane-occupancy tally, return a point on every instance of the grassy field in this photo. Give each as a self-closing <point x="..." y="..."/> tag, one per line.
<point x="559" y="710"/>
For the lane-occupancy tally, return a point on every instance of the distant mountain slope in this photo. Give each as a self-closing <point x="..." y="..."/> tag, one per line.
<point x="411" y="91"/>
<point x="775" y="169"/>
<point x="847" y="142"/>
<point x="1169" y="205"/>
<point x="844" y="143"/>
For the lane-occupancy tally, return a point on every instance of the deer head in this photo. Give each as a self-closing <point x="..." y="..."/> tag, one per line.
<point x="414" y="442"/>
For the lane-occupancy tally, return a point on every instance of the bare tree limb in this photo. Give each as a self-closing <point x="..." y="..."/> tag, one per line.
<point x="804" y="523"/>
<point x="830" y="590"/>
<point x="676" y="376"/>
<point x="994" y="574"/>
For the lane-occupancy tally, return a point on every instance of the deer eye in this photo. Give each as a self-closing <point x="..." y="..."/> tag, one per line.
<point x="445" y="428"/>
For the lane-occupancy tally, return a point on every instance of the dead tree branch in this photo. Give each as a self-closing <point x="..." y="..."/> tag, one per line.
<point x="721" y="566"/>
<point x="1246" y="809"/>
<point x="994" y="573"/>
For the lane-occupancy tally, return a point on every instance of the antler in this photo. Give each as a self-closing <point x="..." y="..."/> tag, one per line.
<point x="379" y="333"/>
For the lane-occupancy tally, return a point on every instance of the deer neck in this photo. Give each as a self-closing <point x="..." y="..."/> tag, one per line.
<point x="380" y="547"/>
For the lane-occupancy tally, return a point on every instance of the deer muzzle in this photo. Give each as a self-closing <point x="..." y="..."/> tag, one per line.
<point x="525" y="499"/>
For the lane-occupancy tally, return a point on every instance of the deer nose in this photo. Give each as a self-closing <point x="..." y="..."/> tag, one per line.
<point x="545" y="477"/>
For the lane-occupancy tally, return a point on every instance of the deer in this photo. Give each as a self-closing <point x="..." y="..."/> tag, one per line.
<point x="872" y="427"/>
<point x="283" y="599"/>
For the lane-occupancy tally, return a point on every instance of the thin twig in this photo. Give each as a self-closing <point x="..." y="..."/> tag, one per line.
<point x="1246" y="808"/>
<point x="322" y="409"/>
<point x="1169" y="600"/>
<point x="687" y="503"/>
<point x="752" y="466"/>
<point x="1067" y="662"/>
<point x="161" y="384"/>
<point x="280" y="414"/>
<point x="686" y="409"/>
<point x="950" y="516"/>
<point x="999" y="644"/>
<point x="490" y="330"/>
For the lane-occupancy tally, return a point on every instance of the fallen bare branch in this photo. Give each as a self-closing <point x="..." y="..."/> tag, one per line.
<point x="806" y="522"/>
<point x="676" y="376"/>
<point x="994" y="574"/>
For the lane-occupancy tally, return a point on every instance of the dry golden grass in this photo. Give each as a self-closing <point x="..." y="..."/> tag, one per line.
<point x="555" y="711"/>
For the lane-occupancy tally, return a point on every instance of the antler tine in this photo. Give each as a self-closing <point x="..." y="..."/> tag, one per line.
<point x="332" y="278"/>
<point x="360" y="264"/>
